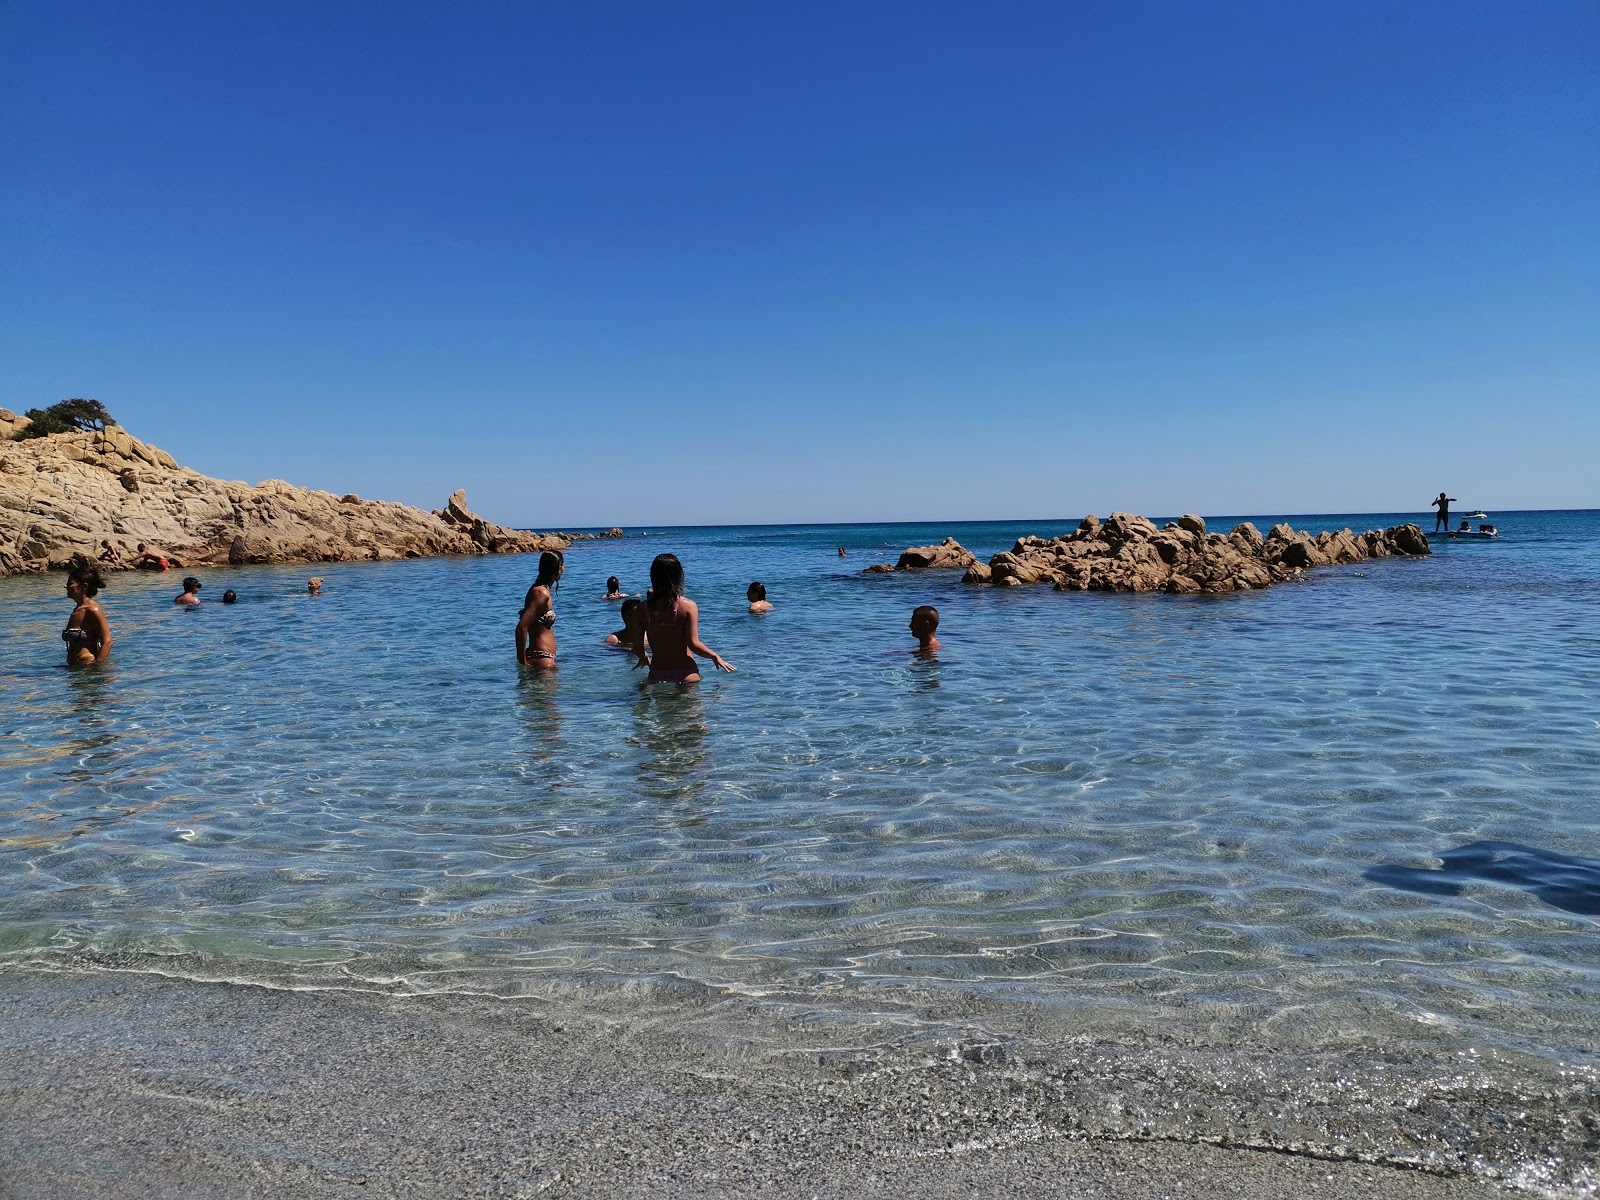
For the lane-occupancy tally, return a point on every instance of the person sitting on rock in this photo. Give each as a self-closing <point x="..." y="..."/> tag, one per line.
<point x="613" y="589"/>
<point x="191" y="592"/>
<point x="314" y="586"/>
<point x="925" y="627"/>
<point x="110" y="554"/>
<point x="756" y="593"/>
<point x="624" y="636"/>
<point x="149" y="560"/>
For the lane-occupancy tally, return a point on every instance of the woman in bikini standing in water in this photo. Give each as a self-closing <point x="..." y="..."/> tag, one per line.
<point x="671" y="621"/>
<point x="88" y="633"/>
<point x="536" y="624"/>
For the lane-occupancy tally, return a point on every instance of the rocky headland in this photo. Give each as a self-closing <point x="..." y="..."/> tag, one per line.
<point x="1128" y="553"/>
<point x="61" y="495"/>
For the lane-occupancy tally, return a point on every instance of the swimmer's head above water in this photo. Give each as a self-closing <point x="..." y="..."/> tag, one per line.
<point x="666" y="581"/>
<point x="925" y="626"/>
<point x="230" y="597"/>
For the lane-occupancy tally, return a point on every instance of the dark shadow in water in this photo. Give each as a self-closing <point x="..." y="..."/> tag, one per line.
<point x="1560" y="879"/>
<point x="671" y="729"/>
<point x="924" y="670"/>
<point x="541" y="711"/>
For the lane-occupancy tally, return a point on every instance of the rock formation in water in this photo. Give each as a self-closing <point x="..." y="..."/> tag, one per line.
<point x="948" y="554"/>
<point x="1129" y="554"/>
<point x="61" y="495"/>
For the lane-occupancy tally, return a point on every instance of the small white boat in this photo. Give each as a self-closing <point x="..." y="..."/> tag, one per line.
<point x="1480" y="515"/>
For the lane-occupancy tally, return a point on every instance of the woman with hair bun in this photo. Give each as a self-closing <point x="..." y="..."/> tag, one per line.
<point x="88" y="634"/>
<point x="671" y="622"/>
<point x="536" y="623"/>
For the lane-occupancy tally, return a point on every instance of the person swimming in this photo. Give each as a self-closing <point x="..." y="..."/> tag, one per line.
<point x="191" y="592"/>
<point x="88" y="633"/>
<point x="613" y="589"/>
<point x="230" y="597"/>
<point x="756" y="593"/>
<point x="536" y="623"/>
<point x="624" y="636"/>
<point x="925" y="627"/>
<point x="314" y="586"/>
<point x="671" y="623"/>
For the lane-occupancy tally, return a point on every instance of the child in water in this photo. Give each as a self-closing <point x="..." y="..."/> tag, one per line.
<point x="624" y="636"/>
<point x="925" y="627"/>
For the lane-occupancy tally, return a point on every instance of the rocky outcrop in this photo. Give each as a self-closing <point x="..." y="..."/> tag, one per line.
<point x="947" y="555"/>
<point x="1127" y="553"/>
<point x="61" y="495"/>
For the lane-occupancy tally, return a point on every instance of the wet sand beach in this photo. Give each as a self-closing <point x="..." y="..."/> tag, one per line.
<point x="132" y="1085"/>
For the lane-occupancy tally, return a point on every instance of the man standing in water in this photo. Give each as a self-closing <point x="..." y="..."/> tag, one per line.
<point x="1443" y="503"/>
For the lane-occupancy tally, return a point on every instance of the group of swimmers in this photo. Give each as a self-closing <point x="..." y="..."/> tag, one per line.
<point x="662" y="630"/>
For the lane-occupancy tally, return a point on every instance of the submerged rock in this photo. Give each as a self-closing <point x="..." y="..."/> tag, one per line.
<point x="1127" y="553"/>
<point x="63" y="494"/>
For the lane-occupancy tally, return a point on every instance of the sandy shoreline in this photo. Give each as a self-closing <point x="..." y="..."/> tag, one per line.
<point x="117" y="1084"/>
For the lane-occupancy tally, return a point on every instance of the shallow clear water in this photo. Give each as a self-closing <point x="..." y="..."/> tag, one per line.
<point x="1089" y="815"/>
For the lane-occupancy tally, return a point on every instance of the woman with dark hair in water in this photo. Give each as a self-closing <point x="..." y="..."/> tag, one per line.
<point x="536" y="624"/>
<point x="613" y="589"/>
<point x="671" y="622"/>
<point x="88" y="634"/>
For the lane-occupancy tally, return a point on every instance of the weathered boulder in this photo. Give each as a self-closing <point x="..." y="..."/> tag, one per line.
<point x="949" y="554"/>
<point x="61" y="495"/>
<point x="1127" y="553"/>
<point x="879" y="569"/>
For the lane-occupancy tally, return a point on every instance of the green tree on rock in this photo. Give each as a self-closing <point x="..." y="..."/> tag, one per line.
<point x="67" y="417"/>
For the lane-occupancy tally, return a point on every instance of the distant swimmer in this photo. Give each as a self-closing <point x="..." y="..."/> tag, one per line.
<point x="88" y="634"/>
<point x="314" y="586"/>
<point x="671" y="622"/>
<point x="230" y="597"/>
<point x="756" y="593"/>
<point x="624" y="636"/>
<point x="149" y="560"/>
<point x="191" y="592"/>
<point x="613" y="589"/>
<point x="925" y="627"/>
<point x="536" y="623"/>
<point x="842" y="554"/>
<point x="1443" y="503"/>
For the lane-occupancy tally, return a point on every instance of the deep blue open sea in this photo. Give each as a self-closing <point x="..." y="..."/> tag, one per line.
<point x="1331" y="848"/>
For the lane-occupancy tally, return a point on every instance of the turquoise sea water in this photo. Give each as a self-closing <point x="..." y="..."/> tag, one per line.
<point x="1206" y="827"/>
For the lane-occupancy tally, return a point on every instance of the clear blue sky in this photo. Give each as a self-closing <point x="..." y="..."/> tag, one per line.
<point x="656" y="263"/>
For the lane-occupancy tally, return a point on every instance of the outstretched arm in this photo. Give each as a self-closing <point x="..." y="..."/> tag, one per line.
<point x="692" y="637"/>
